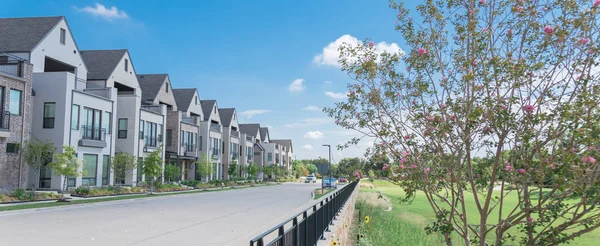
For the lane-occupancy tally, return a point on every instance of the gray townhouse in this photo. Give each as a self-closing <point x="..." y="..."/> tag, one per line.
<point x="212" y="130"/>
<point x="188" y="103"/>
<point x="255" y="154"/>
<point x="286" y="152"/>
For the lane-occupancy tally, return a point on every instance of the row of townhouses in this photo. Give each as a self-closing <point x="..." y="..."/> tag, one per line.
<point x="94" y="101"/>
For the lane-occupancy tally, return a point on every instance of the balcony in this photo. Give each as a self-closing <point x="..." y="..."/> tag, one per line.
<point x="152" y="108"/>
<point x="235" y="134"/>
<point x="4" y="124"/>
<point x="11" y="65"/>
<point x="249" y="138"/>
<point x="92" y="136"/>
<point x="93" y="88"/>
<point x="215" y="153"/>
<point x="215" y="128"/>
<point x="190" y="150"/>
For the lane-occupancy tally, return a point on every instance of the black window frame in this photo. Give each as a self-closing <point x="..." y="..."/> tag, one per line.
<point x="122" y="133"/>
<point x="48" y="122"/>
<point x="63" y="36"/>
<point x="12" y="148"/>
<point x="76" y="125"/>
<point x="20" y="101"/>
<point x="142" y="129"/>
<point x="126" y="65"/>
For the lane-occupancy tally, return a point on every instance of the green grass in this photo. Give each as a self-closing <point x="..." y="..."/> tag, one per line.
<point x="319" y="195"/>
<point x="116" y="198"/>
<point x="405" y="224"/>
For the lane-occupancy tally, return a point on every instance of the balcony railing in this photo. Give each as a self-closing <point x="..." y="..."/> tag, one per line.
<point x="190" y="150"/>
<point x="11" y="65"/>
<point x="93" y="133"/>
<point x="4" y="121"/>
<point x="249" y="138"/>
<point x="216" y="152"/>
<point x="235" y="134"/>
<point x="189" y="120"/>
<point x="152" y="108"/>
<point x="215" y="127"/>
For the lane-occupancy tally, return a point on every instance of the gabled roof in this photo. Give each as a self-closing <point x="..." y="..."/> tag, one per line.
<point x="151" y="84"/>
<point x="226" y="115"/>
<point x="284" y="142"/>
<point x="102" y="63"/>
<point x="207" y="107"/>
<point x="250" y="129"/>
<point x="259" y="146"/>
<point x="24" y="34"/>
<point x="184" y="97"/>
<point x="263" y="133"/>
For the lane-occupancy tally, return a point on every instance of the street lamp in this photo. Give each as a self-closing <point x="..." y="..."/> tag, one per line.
<point x="323" y="181"/>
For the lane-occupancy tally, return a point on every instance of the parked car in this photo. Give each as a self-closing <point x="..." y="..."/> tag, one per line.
<point x="342" y="180"/>
<point x="330" y="183"/>
<point x="310" y="179"/>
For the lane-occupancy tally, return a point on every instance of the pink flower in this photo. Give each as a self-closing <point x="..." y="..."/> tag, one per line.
<point x="596" y="3"/>
<point x="356" y="174"/>
<point x="413" y="166"/>
<point x="404" y="153"/>
<point x="592" y="148"/>
<point x="431" y="118"/>
<point x="443" y="105"/>
<point x="385" y="166"/>
<point x="407" y="137"/>
<point x="552" y="166"/>
<point x="528" y="108"/>
<point x="529" y="219"/>
<point x="519" y="9"/>
<point x="548" y="30"/>
<point x="584" y="40"/>
<point x="453" y="117"/>
<point x="422" y="51"/>
<point x="588" y="159"/>
<point x="481" y="1"/>
<point x="509" y="32"/>
<point x="483" y="29"/>
<point x="402" y="166"/>
<point x="475" y="62"/>
<point x="521" y="171"/>
<point x="404" y="160"/>
<point x="408" y="69"/>
<point x="590" y="52"/>
<point x="509" y="168"/>
<point x="371" y="44"/>
<point x="426" y="170"/>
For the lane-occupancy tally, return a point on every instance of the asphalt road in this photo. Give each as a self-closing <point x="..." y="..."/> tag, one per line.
<point x="231" y="217"/>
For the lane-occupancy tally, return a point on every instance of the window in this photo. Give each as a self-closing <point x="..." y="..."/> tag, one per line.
<point x="12" y="148"/>
<point x="75" y="117"/>
<point x="49" y="114"/>
<point x="105" y="169"/>
<point x="151" y="134"/>
<point x="90" y="168"/>
<point x="63" y="36"/>
<point x="122" y="128"/>
<point x="160" y="133"/>
<point x="141" y="129"/>
<point x="200" y="142"/>
<point x="167" y="87"/>
<point x="169" y="137"/>
<point x="107" y="123"/>
<point x="126" y="65"/>
<point x="270" y="157"/>
<point x="92" y="119"/>
<point x="196" y="100"/>
<point x="181" y="138"/>
<point x="14" y="105"/>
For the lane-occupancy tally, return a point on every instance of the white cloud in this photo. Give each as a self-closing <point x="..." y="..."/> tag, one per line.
<point x="309" y="122"/>
<point x="100" y="10"/>
<point x="328" y="82"/>
<point x="331" y="53"/>
<point x="335" y="95"/>
<point x="297" y="85"/>
<point x="253" y="112"/>
<point x="269" y="126"/>
<point x="312" y="108"/>
<point x="308" y="147"/>
<point x="313" y="135"/>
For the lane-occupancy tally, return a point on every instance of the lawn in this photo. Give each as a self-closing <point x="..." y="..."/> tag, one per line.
<point x="405" y="223"/>
<point x="318" y="193"/>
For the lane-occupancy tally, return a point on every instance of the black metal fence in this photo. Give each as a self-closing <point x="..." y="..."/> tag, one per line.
<point x="307" y="227"/>
<point x="4" y="120"/>
<point x="12" y="65"/>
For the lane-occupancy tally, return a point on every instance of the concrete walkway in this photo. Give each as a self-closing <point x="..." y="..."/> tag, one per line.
<point x="229" y="217"/>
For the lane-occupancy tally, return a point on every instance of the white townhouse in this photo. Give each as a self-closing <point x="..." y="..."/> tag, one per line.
<point x="253" y="152"/>
<point x="188" y="103"/>
<point x="286" y="152"/>
<point x="67" y="110"/>
<point x="212" y="132"/>
<point x="231" y="141"/>
<point x="114" y="68"/>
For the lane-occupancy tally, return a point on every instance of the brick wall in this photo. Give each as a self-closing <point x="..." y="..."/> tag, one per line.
<point x="340" y="231"/>
<point x="9" y="162"/>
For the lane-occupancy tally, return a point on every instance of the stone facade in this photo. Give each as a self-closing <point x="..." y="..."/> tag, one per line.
<point x="173" y="120"/>
<point x="14" y="172"/>
<point x="340" y="230"/>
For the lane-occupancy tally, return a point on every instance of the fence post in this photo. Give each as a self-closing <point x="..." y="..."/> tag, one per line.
<point x="296" y="230"/>
<point x="305" y="215"/>
<point x="282" y="235"/>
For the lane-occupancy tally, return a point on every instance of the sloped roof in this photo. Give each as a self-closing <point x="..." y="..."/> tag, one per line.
<point x="207" y="107"/>
<point x="259" y="146"/>
<point x="250" y="129"/>
<point x="284" y="142"/>
<point x="102" y="63"/>
<point x="263" y="133"/>
<point x="151" y="84"/>
<point x="184" y="97"/>
<point x="226" y="115"/>
<point x="23" y="34"/>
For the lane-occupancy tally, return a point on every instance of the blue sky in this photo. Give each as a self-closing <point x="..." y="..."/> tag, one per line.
<point x="245" y="54"/>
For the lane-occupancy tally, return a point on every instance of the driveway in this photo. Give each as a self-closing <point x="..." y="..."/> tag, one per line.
<point x="231" y="217"/>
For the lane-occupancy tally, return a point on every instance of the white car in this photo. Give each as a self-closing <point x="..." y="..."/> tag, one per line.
<point x="310" y="179"/>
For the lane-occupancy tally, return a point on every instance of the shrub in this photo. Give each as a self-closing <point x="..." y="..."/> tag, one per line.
<point x="4" y="198"/>
<point x="20" y="194"/>
<point x="84" y="191"/>
<point x="191" y="183"/>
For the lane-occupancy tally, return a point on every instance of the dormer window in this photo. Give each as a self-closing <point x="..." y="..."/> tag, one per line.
<point x="126" y="65"/>
<point x="63" y="36"/>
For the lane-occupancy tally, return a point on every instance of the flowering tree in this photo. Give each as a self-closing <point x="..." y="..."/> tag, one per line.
<point x="514" y="83"/>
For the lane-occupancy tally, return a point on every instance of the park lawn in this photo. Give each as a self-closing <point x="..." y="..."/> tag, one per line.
<point x="405" y="224"/>
<point x="318" y="193"/>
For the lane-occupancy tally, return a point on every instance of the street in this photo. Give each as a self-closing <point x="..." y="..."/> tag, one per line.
<point x="231" y="217"/>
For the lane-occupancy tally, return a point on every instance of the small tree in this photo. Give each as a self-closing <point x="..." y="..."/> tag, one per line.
<point x="312" y="168"/>
<point x="252" y="169"/>
<point x="153" y="167"/>
<point x="203" y="167"/>
<point x="67" y="165"/>
<point x="122" y="165"/>
<point x="172" y="172"/>
<point x="270" y="169"/>
<point x="232" y="171"/>
<point x="36" y="153"/>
